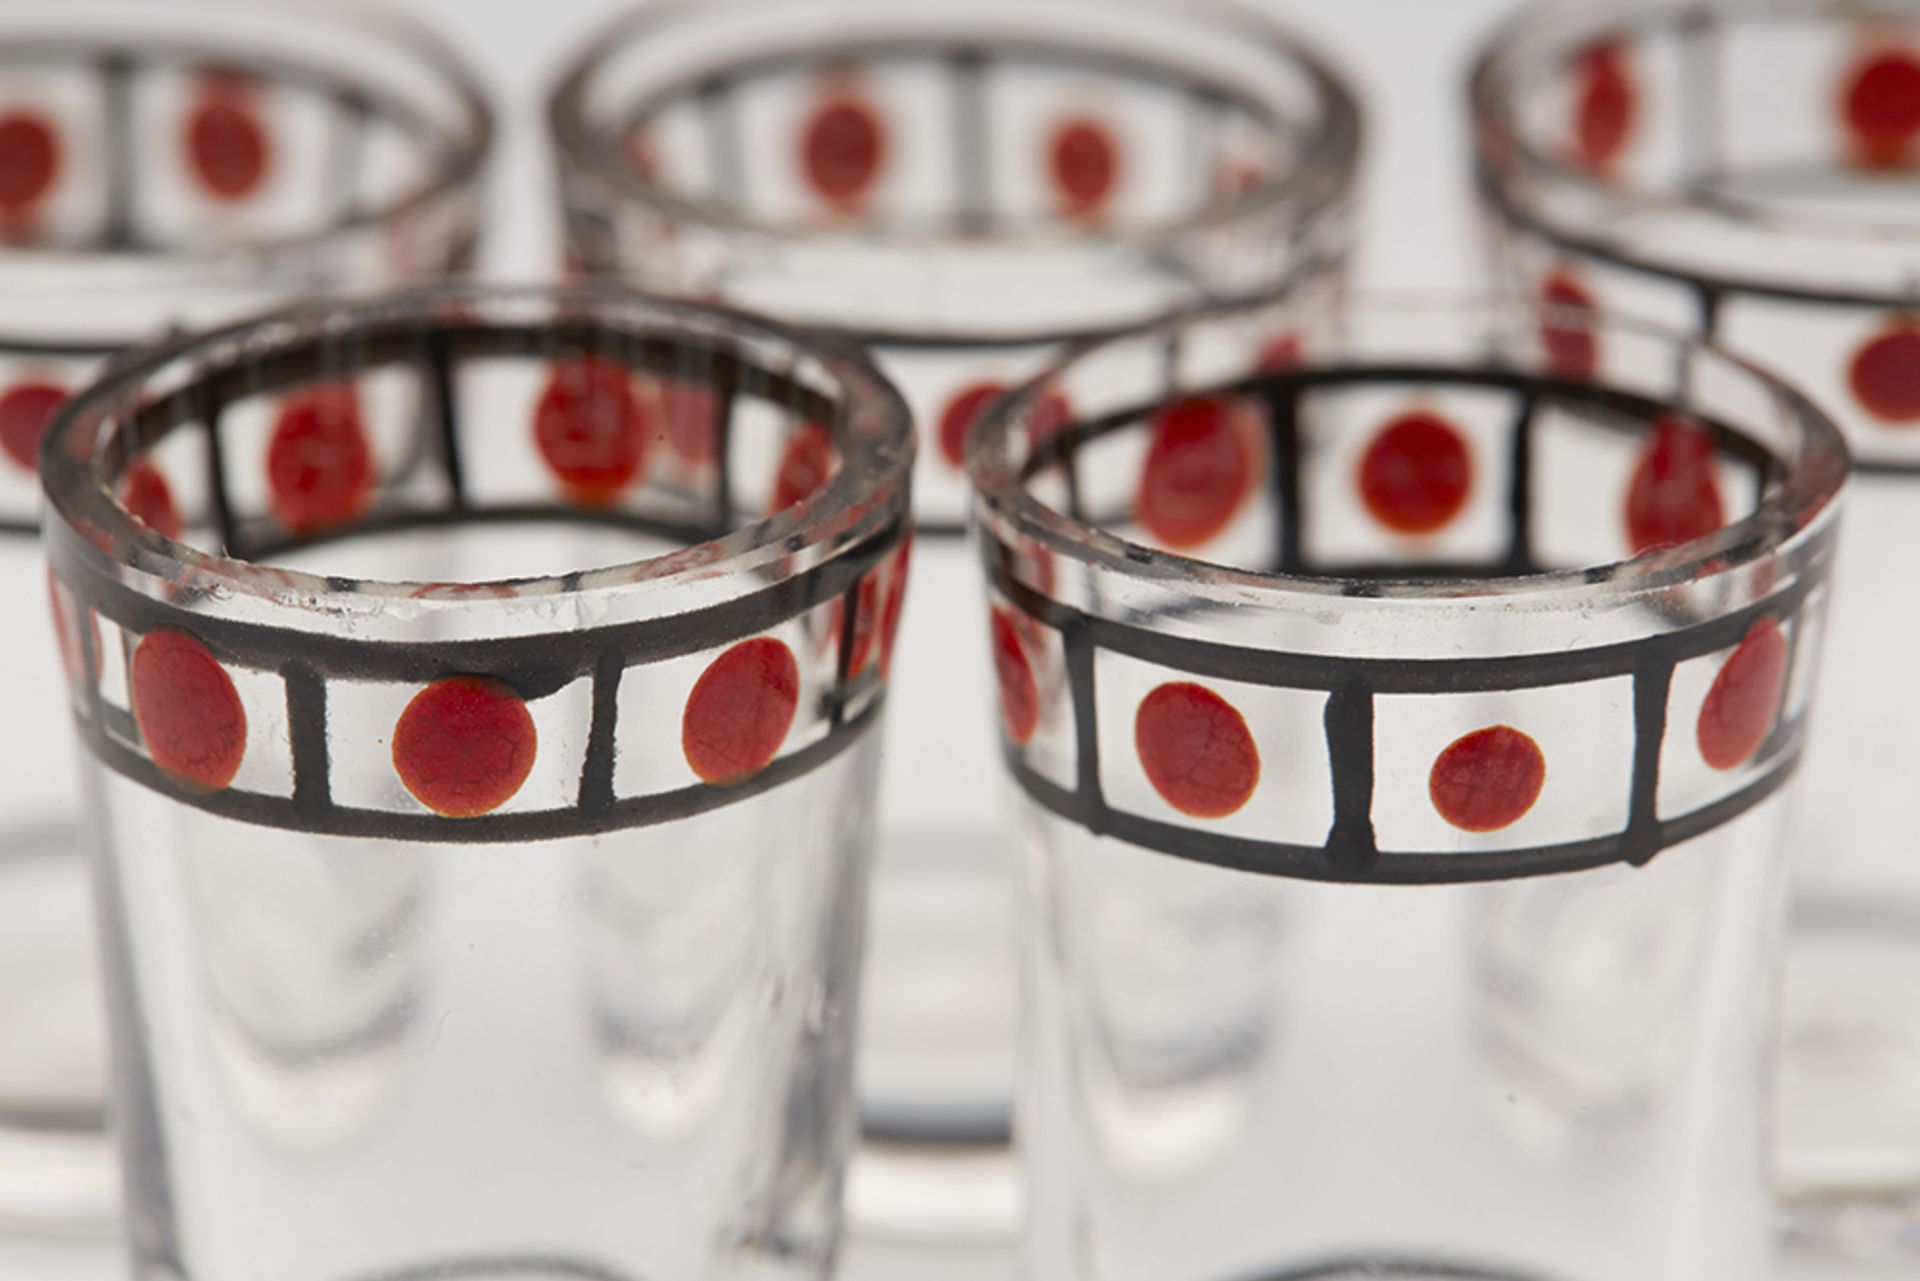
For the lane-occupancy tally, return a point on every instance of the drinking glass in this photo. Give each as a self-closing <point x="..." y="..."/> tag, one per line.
<point x="963" y="186"/>
<point x="161" y="165"/>
<point x="1403" y="881"/>
<point x="480" y="800"/>
<point x="1748" y="174"/>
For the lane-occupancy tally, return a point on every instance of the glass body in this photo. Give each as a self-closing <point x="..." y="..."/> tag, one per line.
<point x="964" y="188"/>
<point x="163" y="165"/>
<point x="1732" y="171"/>
<point x="498" y="916"/>
<point x="1402" y="878"/>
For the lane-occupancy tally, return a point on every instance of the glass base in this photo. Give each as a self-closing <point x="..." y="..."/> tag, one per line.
<point x="1849" y="1107"/>
<point x="502" y="1268"/>
<point x="480" y="1268"/>
<point x="936" y="1053"/>
<point x="865" y="1259"/>
<point x="1850" y="1236"/>
<point x="56" y="1167"/>
<point x="876" y="1261"/>
<point x="1381" y="1269"/>
<point x="966" y="1197"/>
<point x="44" y="1258"/>
<point x="1818" y="1265"/>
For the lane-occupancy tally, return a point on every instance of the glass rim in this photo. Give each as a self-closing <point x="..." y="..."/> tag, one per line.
<point x="1502" y="153"/>
<point x="1325" y="171"/>
<point x="463" y="163"/>
<point x="1810" y="482"/>
<point x="874" y="465"/>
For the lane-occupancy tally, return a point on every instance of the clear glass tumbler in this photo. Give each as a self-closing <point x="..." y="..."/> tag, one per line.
<point x="481" y="800"/>
<point x="1751" y="174"/>
<point x="963" y="186"/>
<point x="1404" y="884"/>
<point x="163" y="164"/>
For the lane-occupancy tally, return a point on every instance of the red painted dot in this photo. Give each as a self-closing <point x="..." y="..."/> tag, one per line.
<point x="642" y="155"/>
<point x="1605" y="105"/>
<point x="740" y="711"/>
<point x="1674" y="497"/>
<point x="319" y="466"/>
<point x="959" y="416"/>
<point x="1234" y="177"/>
<point x="464" y="745"/>
<point x="1025" y="561"/>
<point x="26" y="410"/>
<point x="1744" y="701"/>
<point x="188" y="712"/>
<point x="690" y="420"/>
<point x="29" y="161"/>
<point x="843" y="149"/>
<point x="1049" y="415"/>
<point x="66" y="630"/>
<point x="592" y="429"/>
<point x="1573" y="348"/>
<point x="807" y="464"/>
<point x="1880" y="107"/>
<point x="1198" y="472"/>
<point x="1884" y="375"/>
<point x="1416" y="475"/>
<point x="895" y="604"/>
<point x="1488" y="780"/>
<point x="1046" y="419"/>
<point x="227" y="148"/>
<point x="1085" y="164"/>
<point x="1033" y="565"/>
<point x="463" y="591"/>
<point x="1196" y="749"/>
<point x="145" y="493"/>
<point x="1278" y="354"/>
<point x="1019" y="691"/>
<point x="868" y="607"/>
